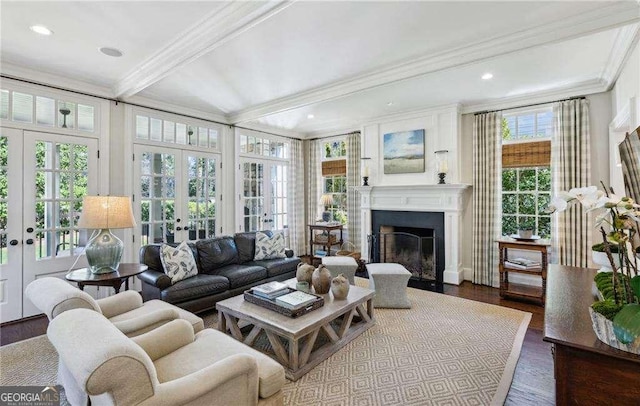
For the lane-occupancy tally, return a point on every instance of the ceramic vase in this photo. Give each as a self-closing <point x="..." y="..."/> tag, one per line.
<point x="321" y="280"/>
<point x="304" y="272"/>
<point x="340" y="287"/>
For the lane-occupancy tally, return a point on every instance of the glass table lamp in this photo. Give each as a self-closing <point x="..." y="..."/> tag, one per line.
<point x="104" y="213"/>
<point x="326" y="200"/>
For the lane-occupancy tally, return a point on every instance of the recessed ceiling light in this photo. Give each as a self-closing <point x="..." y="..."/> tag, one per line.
<point x="41" y="29"/>
<point x="487" y="76"/>
<point x="390" y="104"/>
<point x="310" y="116"/>
<point x="116" y="53"/>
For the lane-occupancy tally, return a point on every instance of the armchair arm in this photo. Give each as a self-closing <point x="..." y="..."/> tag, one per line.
<point x="232" y="380"/>
<point x="166" y="339"/>
<point x="155" y="278"/>
<point x="146" y="322"/>
<point x="119" y="303"/>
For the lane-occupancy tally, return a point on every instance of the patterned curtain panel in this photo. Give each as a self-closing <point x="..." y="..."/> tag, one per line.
<point x="570" y="168"/>
<point x="353" y="180"/>
<point x="486" y="197"/>
<point x="313" y="191"/>
<point x="630" y="158"/>
<point x="297" y="223"/>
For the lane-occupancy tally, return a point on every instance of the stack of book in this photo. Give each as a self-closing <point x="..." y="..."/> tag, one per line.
<point x="270" y="290"/>
<point x="295" y="300"/>
<point x="521" y="263"/>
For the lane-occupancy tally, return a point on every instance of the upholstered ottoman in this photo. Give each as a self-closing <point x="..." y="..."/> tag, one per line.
<point x="341" y="265"/>
<point x="390" y="283"/>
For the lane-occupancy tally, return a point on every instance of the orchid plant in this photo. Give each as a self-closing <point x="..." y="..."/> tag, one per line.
<point x="621" y="217"/>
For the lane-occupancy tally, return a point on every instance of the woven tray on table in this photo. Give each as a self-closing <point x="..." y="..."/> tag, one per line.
<point x="272" y="305"/>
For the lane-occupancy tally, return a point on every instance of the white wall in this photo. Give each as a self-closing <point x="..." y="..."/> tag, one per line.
<point x="628" y="86"/>
<point x="441" y="127"/>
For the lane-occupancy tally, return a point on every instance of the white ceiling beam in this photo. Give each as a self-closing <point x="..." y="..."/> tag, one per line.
<point x="213" y="30"/>
<point x="607" y="17"/>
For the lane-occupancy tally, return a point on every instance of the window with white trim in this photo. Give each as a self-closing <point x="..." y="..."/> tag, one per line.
<point x="526" y="171"/>
<point x="334" y="177"/>
<point x="173" y="132"/>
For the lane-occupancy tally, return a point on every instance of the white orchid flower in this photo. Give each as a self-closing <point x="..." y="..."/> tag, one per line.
<point x="557" y="204"/>
<point x="581" y="193"/>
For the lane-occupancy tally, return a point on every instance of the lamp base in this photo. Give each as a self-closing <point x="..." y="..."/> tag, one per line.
<point x="441" y="176"/>
<point x="365" y="181"/>
<point x="326" y="215"/>
<point x="104" y="252"/>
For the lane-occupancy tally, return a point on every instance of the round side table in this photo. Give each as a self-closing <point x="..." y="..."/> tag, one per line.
<point x="83" y="277"/>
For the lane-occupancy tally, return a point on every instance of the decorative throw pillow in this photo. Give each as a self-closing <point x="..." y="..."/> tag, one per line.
<point x="269" y="248"/>
<point x="178" y="262"/>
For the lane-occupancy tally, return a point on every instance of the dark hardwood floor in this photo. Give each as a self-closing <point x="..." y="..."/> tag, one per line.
<point x="533" y="382"/>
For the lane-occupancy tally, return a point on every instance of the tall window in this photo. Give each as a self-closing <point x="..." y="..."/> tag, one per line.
<point x="526" y="173"/>
<point x="334" y="177"/>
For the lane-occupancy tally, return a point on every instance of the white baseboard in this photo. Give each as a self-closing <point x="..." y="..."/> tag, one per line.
<point x="453" y="276"/>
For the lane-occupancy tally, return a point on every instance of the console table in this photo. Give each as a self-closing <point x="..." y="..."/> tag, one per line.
<point x="587" y="371"/>
<point x="519" y="290"/>
<point x="326" y="230"/>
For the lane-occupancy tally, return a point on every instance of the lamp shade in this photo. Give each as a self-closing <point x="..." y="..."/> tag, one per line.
<point x="106" y="212"/>
<point x="326" y="200"/>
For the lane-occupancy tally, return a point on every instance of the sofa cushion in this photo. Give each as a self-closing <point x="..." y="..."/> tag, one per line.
<point x="178" y="263"/>
<point x="277" y="266"/>
<point x="195" y="287"/>
<point x="241" y="275"/>
<point x="246" y="244"/>
<point x="211" y="346"/>
<point x="269" y="247"/>
<point x="216" y="252"/>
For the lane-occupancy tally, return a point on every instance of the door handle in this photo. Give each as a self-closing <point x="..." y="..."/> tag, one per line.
<point x="30" y="241"/>
<point x="178" y="228"/>
<point x="13" y="242"/>
<point x="186" y="228"/>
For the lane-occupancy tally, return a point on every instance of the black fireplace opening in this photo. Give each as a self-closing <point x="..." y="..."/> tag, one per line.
<point x="412" y="239"/>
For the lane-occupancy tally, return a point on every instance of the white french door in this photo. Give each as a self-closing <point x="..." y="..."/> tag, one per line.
<point x="53" y="173"/>
<point x="264" y="195"/>
<point x="175" y="194"/>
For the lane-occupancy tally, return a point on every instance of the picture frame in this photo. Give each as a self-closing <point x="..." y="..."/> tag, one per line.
<point x="403" y="152"/>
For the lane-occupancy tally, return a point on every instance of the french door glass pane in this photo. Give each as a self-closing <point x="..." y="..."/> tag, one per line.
<point x="157" y="205"/>
<point x="201" y="181"/>
<point x="61" y="182"/>
<point x="4" y="197"/>
<point x="253" y="181"/>
<point x="279" y="196"/>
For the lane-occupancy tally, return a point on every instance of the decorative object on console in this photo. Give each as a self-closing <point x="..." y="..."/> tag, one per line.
<point x="443" y="164"/>
<point x="404" y="152"/>
<point x="304" y="272"/>
<point x="321" y="280"/>
<point x="326" y="200"/>
<point x="178" y="262"/>
<point x="365" y="171"/>
<point x="620" y="289"/>
<point x="340" y="287"/>
<point x="103" y="213"/>
<point x="269" y="247"/>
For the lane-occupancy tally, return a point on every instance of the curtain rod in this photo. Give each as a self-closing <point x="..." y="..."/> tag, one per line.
<point x="136" y="105"/>
<point x="531" y="105"/>
<point x="333" y="135"/>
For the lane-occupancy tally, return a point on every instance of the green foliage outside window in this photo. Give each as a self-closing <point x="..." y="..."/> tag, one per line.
<point x="337" y="186"/>
<point x="526" y="192"/>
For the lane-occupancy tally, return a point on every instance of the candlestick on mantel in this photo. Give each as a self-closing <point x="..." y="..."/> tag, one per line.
<point x="442" y="164"/>
<point x="365" y="171"/>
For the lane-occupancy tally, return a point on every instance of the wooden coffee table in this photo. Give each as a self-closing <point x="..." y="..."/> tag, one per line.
<point x="300" y="335"/>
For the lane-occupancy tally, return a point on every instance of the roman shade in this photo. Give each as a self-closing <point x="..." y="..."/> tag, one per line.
<point x="334" y="168"/>
<point x="525" y="154"/>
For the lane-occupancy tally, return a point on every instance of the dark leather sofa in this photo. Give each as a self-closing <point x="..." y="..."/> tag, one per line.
<point x="225" y="268"/>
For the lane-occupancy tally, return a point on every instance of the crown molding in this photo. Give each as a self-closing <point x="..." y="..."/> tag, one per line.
<point x="581" y="89"/>
<point x="49" y="79"/>
<point x="610" y="16"/>
<point x="176" y="109"/>
<point x="274" y="130"/>
<point x="214" y="29"/>
<point x="621" y="50"/>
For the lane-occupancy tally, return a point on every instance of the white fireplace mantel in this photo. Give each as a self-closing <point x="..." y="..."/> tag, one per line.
<point x="447" y="199"/>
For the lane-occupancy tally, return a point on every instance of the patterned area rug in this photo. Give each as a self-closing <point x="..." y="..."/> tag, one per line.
<point x="444" y="350"/>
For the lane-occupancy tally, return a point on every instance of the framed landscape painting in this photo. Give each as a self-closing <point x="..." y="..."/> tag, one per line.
<point x="403" y="152"/>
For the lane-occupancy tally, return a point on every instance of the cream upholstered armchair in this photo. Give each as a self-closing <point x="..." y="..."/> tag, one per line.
<point x="169" y="365"/>
<point x="126" y="309"/>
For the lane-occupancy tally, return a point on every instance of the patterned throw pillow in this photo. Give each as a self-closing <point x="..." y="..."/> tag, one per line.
<point x="269" y="248"/>
<point x="178" y="263"/>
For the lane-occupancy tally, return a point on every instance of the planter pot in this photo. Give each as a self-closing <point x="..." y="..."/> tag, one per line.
<point x="603" y="328"/>
<point x="600" y="258"/>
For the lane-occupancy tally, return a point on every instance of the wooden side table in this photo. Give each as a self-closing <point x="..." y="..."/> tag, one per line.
<point x="83" y="277"/>
<point x="519" y="290"/>
<point x="325" y="244"/>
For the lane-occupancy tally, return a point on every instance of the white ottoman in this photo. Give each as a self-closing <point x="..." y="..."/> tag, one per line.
<point x="341" y="265"/>
<point x="390" y="283"/>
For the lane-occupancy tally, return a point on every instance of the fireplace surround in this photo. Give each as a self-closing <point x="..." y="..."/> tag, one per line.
<point x="446" y="200"/>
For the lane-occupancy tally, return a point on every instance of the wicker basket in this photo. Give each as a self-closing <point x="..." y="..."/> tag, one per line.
<point x="347" y="249"/>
